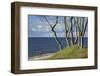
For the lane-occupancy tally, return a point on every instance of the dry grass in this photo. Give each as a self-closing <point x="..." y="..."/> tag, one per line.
<point x="72" y="52"/>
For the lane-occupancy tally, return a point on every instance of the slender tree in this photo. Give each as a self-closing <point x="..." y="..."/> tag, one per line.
<point x="84" y="26"/>
<point x="77" y="31"/>
<point x="71" y="30"/>
<point x="66" y="31"/>
<point x="54" y="32"/>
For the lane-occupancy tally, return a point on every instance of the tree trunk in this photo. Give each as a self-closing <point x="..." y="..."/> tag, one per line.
<point x="71" y="30"/>
<point x="81" y="41"/>
<point x="77" y="34"/>
<point x="82" y="32"/>
<point x="57" y="40"/>
<point x="78" y="39"/>
<point x="66" y="31"/>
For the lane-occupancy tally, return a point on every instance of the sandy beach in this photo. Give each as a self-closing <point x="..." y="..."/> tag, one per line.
<point x="41" y="57"/>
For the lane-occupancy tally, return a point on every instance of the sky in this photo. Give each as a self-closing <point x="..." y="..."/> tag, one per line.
<point x="38" y="26"/>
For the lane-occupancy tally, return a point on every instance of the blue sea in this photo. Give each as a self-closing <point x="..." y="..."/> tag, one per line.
<point x="43" y="45"/>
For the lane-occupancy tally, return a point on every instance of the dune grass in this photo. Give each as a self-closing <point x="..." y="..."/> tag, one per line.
<point x="71" y="52"/>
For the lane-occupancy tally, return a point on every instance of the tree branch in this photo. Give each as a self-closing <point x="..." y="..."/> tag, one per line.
<point x="85" y="27"/>
<point x="47" y="21"/>
<point x="76" y="22"/>
<point x="55" y="23"/>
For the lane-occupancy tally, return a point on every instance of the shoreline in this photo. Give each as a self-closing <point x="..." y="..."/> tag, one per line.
<point x="41" y="57"/>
